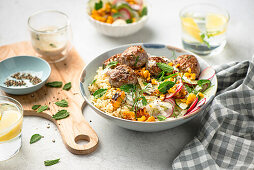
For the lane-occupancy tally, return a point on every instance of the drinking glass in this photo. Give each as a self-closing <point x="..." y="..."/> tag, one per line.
<point x="204" y="28"/>
<point x="11" y="119"/>
<point x="51" y="34"/>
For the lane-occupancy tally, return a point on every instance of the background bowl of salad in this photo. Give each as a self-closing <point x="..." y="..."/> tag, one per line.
<point x="117" y="18"/>
<point x="170" y="52"/>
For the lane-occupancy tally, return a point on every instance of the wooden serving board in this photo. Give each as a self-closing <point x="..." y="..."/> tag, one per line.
<point x="74" y="127"/>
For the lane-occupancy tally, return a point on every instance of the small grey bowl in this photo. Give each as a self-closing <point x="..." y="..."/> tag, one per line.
<point x="23" y="64"/>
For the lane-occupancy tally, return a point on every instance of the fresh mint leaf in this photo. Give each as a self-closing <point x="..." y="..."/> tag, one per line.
<point x="35" y="107"/>
<point x="111" y="64"/>
<point x="165" y="86"/>
<point x="161" y="76"/>
<point x="35" y="138"/>
<point x="62" y="103"/>
<point x="128" y="21"/>
<point x="42" y="108"/>
<point x="127" y="87"/>
<point x="99" y="93"/>
<point x="61" y="115"/>
<point x="98" y="5"/>
<point x="67" y="86"/>
<point x="144" y="11"/>
<point x="161" y="118"/>
<point x="169" y="76"/>
<point x="54" y="84"/>
<point x="189" y="90"/>
<point x="203" y="82"/>
<point x="51" y="162"/>
<point x="203" y="38"/>
<point x="166" y="68"/>
<point x="144" y="101"/>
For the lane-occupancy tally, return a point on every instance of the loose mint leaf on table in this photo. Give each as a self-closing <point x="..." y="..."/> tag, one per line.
<point x="62" y="103"/>
<point x="166" y="68"/>
<point x="98" y="5"/>
<point x="35" y="138"/>
<point x="42" y="108"/>
<point x="165" y="86"/>
<point x="51" y="162"/>
<point x="111" y="64"/>
<point x="67" y="86"/>
<point x="61" y="115"/>
<point x="54" y="84"/>
<point x="161" y="118"/>
<point x="35" y="107"/>
<point x="99" y="93"/>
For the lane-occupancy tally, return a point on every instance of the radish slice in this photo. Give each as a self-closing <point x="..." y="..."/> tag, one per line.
<point x="136" y="7"/>
<point x="193" y="105"/>
<point x="201" y="102"/>
<point x="207" y="73"/>
<point x="170" y="110"/>
<point x="170" y="101"/>
<point x="194" y="110"/>
<point x="179" y="87"/>
<point x="125" y="13"/>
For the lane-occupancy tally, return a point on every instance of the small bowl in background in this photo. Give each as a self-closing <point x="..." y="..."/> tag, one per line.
<point x="23" y="64"/>
<point x="118" y="30"/>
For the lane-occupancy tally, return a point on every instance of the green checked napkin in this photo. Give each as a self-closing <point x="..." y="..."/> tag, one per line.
<point x="226" y="137"/>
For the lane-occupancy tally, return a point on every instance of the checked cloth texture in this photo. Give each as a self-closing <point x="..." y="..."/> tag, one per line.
<point x="226" y="137"/>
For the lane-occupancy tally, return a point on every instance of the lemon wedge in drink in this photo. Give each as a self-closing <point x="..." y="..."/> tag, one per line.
<point x="191" y="27"/>
<point x="10" y="125"/>
<point x="216" y="24"/>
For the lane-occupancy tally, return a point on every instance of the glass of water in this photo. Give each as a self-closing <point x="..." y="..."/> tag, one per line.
<point x="204" y="28"/>
<point x="11" y="119"/>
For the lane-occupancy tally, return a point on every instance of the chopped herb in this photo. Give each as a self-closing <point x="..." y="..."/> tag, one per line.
<point x="127" y="87"/>
<point x="128" y="21"/>
<point x="52" y="45"/>
<point x="98" y="5"/>
<point x="35" y="138"/>
<point x="166" y="68"/>
<point x="93" y="81"/>
<point x="144" y="11"/>
<point x="169" y="76"/>
<point x="203" y="38"/>
<point x="54" y="84"/>
<point x="111" y="64"/>
<point x="35" y="107"/>
<point x="188" y="88"/>
<point x="51" y="162"/>
<point x="136" y="61"/>
<point x="203" y="82"/>
<point x="144" y="101"/>
<point x="62" y="103"/>
<point x="61" y="115"/>
<point x="42" y="108"/>
<point x="99" y="93"/>
<point x="116" y="15"/>
<point x="165" y="86"/>
<point x="161" y="118"/>
<point x="67" y="86"/>
<point x="145" y="83"/>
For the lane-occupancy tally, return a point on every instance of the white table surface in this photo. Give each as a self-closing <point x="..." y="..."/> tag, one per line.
<point x="118" y="148"/>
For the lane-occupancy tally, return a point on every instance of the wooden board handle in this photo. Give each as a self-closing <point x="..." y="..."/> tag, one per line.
<point x="72" y="131"/>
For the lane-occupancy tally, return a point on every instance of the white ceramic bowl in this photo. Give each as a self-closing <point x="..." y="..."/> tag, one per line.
<point x="118" y="31"/>
<point x="89" y="72"/>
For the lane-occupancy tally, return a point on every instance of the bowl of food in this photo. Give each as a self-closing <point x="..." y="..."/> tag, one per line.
<point x="21" y="75"/>
<point x="117" y="18"/>
<point x="148" y="87"/>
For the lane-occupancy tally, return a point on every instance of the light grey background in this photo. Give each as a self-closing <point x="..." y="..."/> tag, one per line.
<point x="118" y="148"/>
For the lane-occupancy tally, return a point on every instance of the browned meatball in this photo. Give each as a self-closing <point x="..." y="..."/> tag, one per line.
<point x="112" y="58"/>
<point x="186" y="62"/>
<point x="134" y="56"/>
<point x="121" y="75"/>
<point x="152" y="67"/>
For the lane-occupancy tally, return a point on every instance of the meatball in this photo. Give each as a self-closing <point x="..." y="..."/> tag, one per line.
<point x="152" y="67"/>
<point x="134" y="56"/>
<point x="112" y="58"/>
<point x="121" y="75"/>
<point x="186" y="62"/>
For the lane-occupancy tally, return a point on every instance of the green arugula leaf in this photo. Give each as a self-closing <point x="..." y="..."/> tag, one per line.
<point x="144" y="101"/>
<point x="99" y="93"/>
<point x="42" y="108"/>
<point x="203" y="38"/>
<point x="161" y="118"/>
<point x="165" y="86"/>
<point x="35" y="107"/>
<point x="98" y="5"/>
<point x="127" y="87"/>
<point x="93" y="81"/>
<point x="136" y="61"/>
<point x="62" y="103"/>
<point x="111" y="64"/>
<point x="166" y="68"/>
<point x="54" y="84"/>
<point x="61" y="115"/>
<point x="144" y="11"/>
<point x="35" y="138"/>
<point x="67" y="86"/>
<point x="51" y="162"/>
<point x="189" y="90"/>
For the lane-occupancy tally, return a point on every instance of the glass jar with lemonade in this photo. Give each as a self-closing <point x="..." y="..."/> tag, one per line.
<point x="11" y="118"/>
<point x="204" y="28"/>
